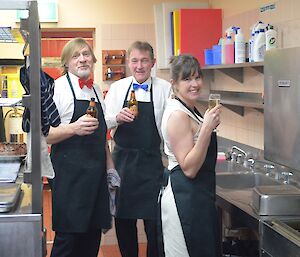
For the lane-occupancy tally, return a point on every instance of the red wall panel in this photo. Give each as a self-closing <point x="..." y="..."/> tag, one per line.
<point x="199" y="29"/>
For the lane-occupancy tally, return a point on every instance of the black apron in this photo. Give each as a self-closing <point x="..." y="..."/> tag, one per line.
<point x="80" y="201"/>
<point x="137" y="158"/>
<point x="195" y="201"/>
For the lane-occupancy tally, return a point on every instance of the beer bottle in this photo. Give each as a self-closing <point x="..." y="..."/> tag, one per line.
<point x="92" y="109"/>
<point x="4" y="91"/>
<point x="133" y="104"/>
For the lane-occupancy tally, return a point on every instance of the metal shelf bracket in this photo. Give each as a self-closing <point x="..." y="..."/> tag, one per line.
<point x="235" y="73"/>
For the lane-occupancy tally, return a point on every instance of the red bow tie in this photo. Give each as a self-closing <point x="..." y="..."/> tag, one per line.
<point x="89" y="83"/>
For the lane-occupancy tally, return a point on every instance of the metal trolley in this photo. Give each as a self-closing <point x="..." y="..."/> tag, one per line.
<point x="21" y="230"/>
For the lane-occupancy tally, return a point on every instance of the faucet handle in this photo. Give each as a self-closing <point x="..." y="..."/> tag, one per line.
<point x="285" y="175"/>
<point x="233" y="156"/>
<point x="239" y="158"/>
<point x="268" y="168"/>
<point x="250" y="163"/>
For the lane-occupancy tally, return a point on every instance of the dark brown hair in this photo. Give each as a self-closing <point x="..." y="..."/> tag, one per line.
<point x="184" y="66"/>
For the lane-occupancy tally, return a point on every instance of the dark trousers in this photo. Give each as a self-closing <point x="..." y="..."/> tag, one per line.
<point x="126" y="231"/>
<point x="76" y="244"/>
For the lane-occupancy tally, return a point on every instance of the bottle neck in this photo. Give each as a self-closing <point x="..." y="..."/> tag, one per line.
<point x="132" y="95"/>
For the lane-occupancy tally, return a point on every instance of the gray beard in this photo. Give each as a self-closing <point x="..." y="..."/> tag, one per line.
<point x="84" y="74"/>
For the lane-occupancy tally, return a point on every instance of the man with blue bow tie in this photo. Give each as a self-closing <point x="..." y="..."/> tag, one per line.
<point x="137" y="154"/>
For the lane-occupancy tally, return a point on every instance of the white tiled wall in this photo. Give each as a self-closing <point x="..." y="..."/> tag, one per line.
<point x="286" y="18"/>
<point x="121" y="36"/>
<point x="247" y="129"/>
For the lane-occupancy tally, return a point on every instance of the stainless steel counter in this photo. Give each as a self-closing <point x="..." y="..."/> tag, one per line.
<point x="236" y="204"/>
<point x="22" y="226"/>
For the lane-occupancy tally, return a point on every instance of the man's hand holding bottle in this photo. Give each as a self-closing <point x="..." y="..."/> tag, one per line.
<point x="85" y="125"/>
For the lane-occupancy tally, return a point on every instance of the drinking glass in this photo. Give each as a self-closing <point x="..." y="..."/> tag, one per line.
<point x="213" y="100"/>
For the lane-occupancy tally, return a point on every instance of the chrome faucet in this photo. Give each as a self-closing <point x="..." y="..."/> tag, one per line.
<point x="268" y="168"/>
<point x="237" y="154"/>
<point x="285" y="176"/>
<point x="238" y="149"/>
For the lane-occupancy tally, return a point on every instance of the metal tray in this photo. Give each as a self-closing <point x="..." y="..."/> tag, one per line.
<point x="9" y="196"/>
<point x="276" y="200"/>
<point x="12" y="157"/>
<point x="9" y="171"/>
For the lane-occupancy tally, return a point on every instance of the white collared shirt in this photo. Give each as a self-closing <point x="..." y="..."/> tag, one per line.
<point x="116" y="95"/>
<point x="64" y="99"/>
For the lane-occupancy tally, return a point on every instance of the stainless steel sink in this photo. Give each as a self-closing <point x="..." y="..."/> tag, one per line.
<point x="276" y="200"/>
<point x="229" y="166"/>
<point x="243" y="180"/>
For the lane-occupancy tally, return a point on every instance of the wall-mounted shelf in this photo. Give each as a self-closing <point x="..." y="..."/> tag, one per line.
<point x="10" y="102"/>
<point x="114" y="72"/>
<point x="11" y="62"/>
<point x="237" y="101"/>
<point x="113" y="62"/>
<point x="235" y="71"/>
<point x="113" y="57"/>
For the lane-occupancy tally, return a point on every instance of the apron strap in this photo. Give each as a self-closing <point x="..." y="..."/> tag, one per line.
<point x="160" y="238"/>
<point x="126" y="95"/>
<point x="73" y="92"/>
<point x="72" y="89"/>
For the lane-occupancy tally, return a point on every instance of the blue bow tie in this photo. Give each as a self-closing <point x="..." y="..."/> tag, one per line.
<point x="136" y="86"/>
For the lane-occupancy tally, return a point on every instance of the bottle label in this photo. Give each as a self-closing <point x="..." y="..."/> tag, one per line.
<point x="134" y="109"/>
<point x="4" y="93"/>
<point x="261" y="52"/>
<point x="272" y="43"/>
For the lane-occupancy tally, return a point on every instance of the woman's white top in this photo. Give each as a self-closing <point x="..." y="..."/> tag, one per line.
<point x="171" y="106"/>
